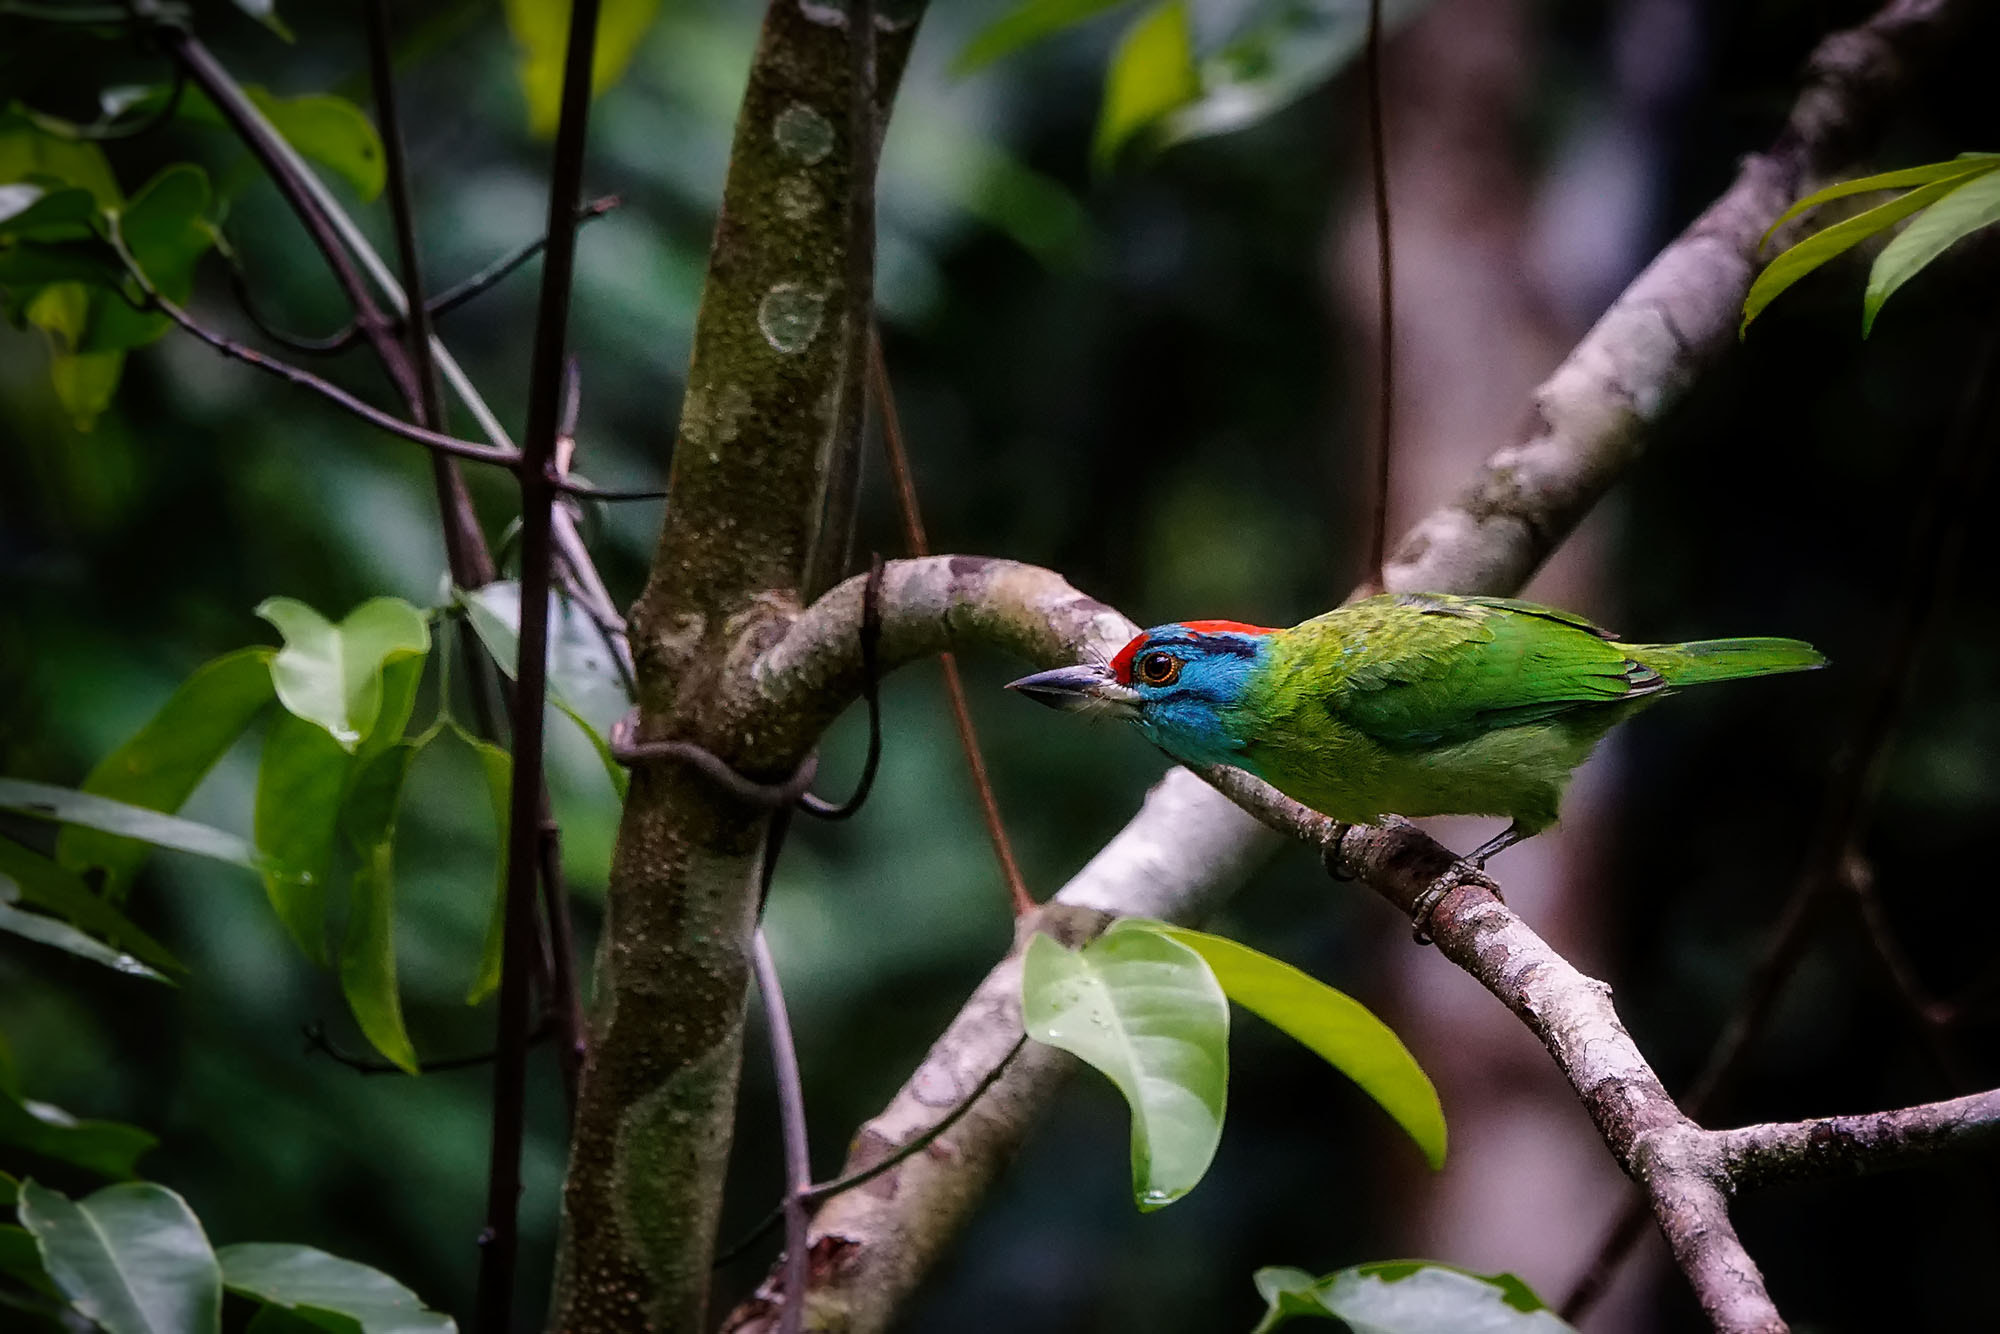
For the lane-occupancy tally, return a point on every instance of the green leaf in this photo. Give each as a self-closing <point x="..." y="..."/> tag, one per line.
<point x="1152" y="72"/>
<point x="498" y="767"/>
<point x="266" y="13"/>
<point x="1147" y="1012"/>
<point x="332" y="674"/>
<point x="166" y="231"/>
<point x="51" y="881"/>
<point x="109" y="1148"/>
<point x="28" y="212"/>
<point x="27" y="152"/>
<point x="1973" y="205"/>
<point x="1025" y="25"/>
<point x="541" y="31"/>
<point x="1836" y="240"/>
<point x="584" y="682"/>
<point x="331" y="131"/>
<point x="1284" y="52"/>
<point x="165" y="760"/>
<point x="54" y="888"/>
<point x="314" y="1283"/>
<point x="300" y="780"/>
<point x="1333" y="1025"/>
<point x="61" y="804"/>
<point x="10" y="1189"/>
<point x="1407" y="1297"/>
<point x="133" y="1257"/>
<point x="368" y="955"/>
<point x="20" y="1258"/>
<point x="1965" y="166"/>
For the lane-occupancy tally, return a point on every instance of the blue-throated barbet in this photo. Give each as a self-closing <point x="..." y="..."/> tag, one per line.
<point x="1406" y="704"/>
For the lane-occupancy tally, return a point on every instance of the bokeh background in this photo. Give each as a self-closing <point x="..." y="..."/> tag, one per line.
<point x="1157" y="382"/>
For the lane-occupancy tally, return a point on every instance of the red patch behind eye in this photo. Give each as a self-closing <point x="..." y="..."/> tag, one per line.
<point x="1121" y="665"/>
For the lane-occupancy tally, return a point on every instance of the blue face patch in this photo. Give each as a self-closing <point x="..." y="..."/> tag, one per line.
<point x="1184" y="716"/>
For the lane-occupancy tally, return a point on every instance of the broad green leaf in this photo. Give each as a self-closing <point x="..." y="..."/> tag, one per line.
<point x="1407" y="1297"/>
<point x="541" y="31"/>
<point x="1330" y="1023"/>
<point x="1025" y="25"/>
<point x="1284" y="52"/>
<point x="368" y="955"/>
<point x="28" y="212"/>
<point x="132" y="1257"/>
<point x="1151" y="73"/>
<point x="1147" y="1012"/>
<point x="66" y="806"/>
<point x="61" y="934"/>
<point x="1836" y="240"/>
<point x="83" y="381"/>
<point x="584" y="682"/>
<point x="166" y="230"/>
<point x="1964" y="167"/>
<point x="332" y="674"/>
<point x="26" y="152"/>
<point x="323" y="127"/>
<point x="498" y="767"/>
<point x="45" y="884"/>
<point x="313" y="1282"/>
<point x="108" y="1148"/>
<point x="300" y="780"/>
<point x="1973" y="205"/>
<point x="166" y="759"/>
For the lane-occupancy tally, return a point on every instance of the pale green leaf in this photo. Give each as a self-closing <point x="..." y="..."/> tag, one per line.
<point x="1335" y="1026"/>
<point x="1147" y="1012"/>
<point x="28" y="212"/>
<point x="1836" y="240"/>
<point x="368" y="954"/>
<point x="1024" y="25"/>
<point x="498" y="766"/>
<point x="332" y="674"/>
<point x="26" y="151"/>
<point x="584" y="683"/>
<point x="1407" y="1297"/>
<point x="300" y="779"/>
<point x="73" y="918"/>
<point x="541" y="32"/>
<point x="1152" y="73"/>
<point x="1973" y="205"/>
<point x="1964" y="167"/>
<point x="166" y="231"/>
<point x="66" y="806"/>
<point x="313" y="1282"/>
<point x="108" y="1148"/>
<point x="131" y="1257"/>
<point x="166" y="759"/>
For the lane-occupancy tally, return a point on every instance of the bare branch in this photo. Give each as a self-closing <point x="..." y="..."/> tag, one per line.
<point x="1838" y="1146"/>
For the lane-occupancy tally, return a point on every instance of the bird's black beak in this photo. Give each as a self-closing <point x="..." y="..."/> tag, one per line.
<point x="1080" y="687"/>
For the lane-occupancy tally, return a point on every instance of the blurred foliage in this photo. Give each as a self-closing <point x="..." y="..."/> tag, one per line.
<point x="1137" y="381"/>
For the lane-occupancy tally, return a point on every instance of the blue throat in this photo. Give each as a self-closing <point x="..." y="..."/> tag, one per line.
<point x="1195" y="719"/>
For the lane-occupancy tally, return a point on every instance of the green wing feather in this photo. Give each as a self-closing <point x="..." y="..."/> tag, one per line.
<point x="1414" y="671"/>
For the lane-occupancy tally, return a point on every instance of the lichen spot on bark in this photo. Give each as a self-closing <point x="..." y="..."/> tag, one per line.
<point x="789" y="317"/>
<point x="803" y="133"/>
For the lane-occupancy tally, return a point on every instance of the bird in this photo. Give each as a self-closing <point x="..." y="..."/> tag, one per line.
<point x="1407" y="704"/>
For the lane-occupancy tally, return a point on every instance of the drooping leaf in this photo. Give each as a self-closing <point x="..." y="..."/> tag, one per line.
<point x="300" y="779"/>
<point x="1152" y="73"/>
<point x="20" y="1258"/>
<point x="132" y="1257"/>
<point x="314" y="1283"/>
<point x="108" y="1148"/>
<point x="368" y="954"/>
<point x="62" y="934"/>
<point x="1147" y="1012"/>
<point x="67" y="806"/>
<point x="1835" y="241"/>
<point x="1025" y="25"/>
<point x="1966" y="166"/>
<point x="1330" y="1023"/>
<point x="541" y="31"/>
<point x="166" y="759"/>
<point x="1407" y="1297"/>
<point x="1283" y="52"/>
<point x="332" y="674"/>
<point x="166" y="230"/>
<point x="498" y="766"/>
<point x="1973" y="205"/>
<point x="583" y="680"/>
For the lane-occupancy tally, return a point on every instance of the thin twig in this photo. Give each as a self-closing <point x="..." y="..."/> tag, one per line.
<point x="565" y="1000"/>
<point x="918" y="543"/>
<point x="871" y="692"/>
<point x="461" y="292"/>
<point x="494" y="1305"/>
<point x="1385" y="404"/>
<point x="318" y="1041"/>
<point x="792" y="1117"/>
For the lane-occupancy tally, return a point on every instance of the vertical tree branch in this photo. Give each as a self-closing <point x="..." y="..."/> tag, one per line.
<point x="525" y="800"/>
<point x="1374" y="576"/>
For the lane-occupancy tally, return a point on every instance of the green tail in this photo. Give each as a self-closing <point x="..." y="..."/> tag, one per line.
<point x="1707" y="660"/>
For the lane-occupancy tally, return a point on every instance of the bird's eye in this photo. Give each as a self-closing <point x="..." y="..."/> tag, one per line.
<point x="1159" y="669"/>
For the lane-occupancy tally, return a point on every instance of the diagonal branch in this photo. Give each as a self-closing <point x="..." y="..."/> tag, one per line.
<point x="1187" y="849"/>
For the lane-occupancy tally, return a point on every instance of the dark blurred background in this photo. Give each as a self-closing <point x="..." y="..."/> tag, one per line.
<point x="1156" y="382"/>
